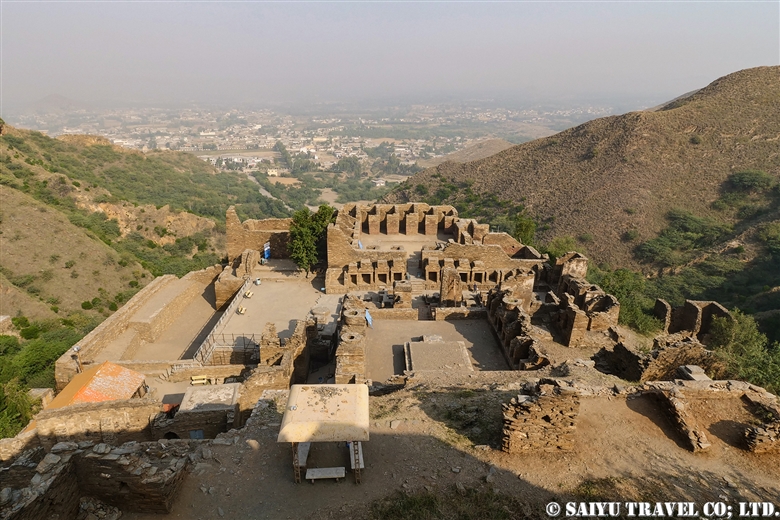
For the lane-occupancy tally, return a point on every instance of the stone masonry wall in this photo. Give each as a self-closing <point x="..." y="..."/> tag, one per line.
<point x="543" y="419"/>
<point x="676" y="408"/>
<point x="112" y="422"/>
<point x="137" y="477"/>
<point x="252" y="234"/>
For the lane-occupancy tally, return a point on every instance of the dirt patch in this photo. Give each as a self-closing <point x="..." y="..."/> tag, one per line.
<point x="423" y="442"/>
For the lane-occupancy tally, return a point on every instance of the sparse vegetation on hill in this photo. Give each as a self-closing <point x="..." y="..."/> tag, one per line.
<point x="159" y="178"/>
<point x="624" y="174"/>
<point x="688" y="194"/>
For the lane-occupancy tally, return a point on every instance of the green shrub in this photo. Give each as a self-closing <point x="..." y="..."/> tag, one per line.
<point x="745" y="351"/>
<point x="112" y="306"/>
<point x="684" y="234"/>
<point x="695" y="139"/>
<point x="630" y="235"/>
<point x="559" y="246"/>
<point x="20" y="322"/>
<point x="31" y="332"/>
<point x="750" y="181"/>
<point x="636" y="308"/>
<point x="87" y="305"/>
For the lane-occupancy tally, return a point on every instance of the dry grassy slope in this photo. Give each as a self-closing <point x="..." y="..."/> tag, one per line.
<point x="30" y="233"/>
<point x="474" y="152"/>
<point x="625" y="172"/>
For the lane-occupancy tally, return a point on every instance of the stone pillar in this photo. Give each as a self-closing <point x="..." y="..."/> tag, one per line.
<point x="373" y="224"/>
<point x="412" y="223"/>
<point x="393" y="223"/>
<point x="431" y="225"/>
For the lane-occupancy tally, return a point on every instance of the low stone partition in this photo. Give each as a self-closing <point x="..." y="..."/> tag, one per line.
<point x="112" y="422"/>
<point x="213" y="372"/>
<point x="138" y="477"/>
<point x="763" y="439"/>
<point x="394" y="314"/>
<point x="541" y="419"/>
<point x="459" y="313"/>
<point x="673" y="403"/>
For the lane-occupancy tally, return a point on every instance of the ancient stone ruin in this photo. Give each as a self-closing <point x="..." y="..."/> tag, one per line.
<point x="543" y="418"/>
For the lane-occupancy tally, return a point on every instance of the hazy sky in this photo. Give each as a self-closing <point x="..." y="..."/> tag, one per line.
<point x="259" y="52"/>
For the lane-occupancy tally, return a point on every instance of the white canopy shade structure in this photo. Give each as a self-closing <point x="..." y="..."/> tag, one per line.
<point x="325" y="413"/>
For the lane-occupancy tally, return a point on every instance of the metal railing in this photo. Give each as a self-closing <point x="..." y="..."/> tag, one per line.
<point x="206" y="348"/>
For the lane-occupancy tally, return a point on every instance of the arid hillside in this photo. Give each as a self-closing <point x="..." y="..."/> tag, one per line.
<point x="84" y="223"/>
<point x="620" y="176"/>
<point x="50" y="266"/>
<point x="474" y="152"/>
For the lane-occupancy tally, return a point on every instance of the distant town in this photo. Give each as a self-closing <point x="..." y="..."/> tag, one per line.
<point x="416" y="134"/>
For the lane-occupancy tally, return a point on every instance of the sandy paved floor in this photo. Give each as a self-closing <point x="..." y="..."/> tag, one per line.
<point x="386" y="340"/>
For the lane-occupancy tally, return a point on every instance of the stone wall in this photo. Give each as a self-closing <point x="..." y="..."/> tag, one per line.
<point x="459" y="313"/>
<point x="394" y="314"/>
<point x="143" y="318"/>
<point x="252" y="234"/>
<point x="13" y="447"/>
<point x="112" y="422"/>
<point x="485" y="266"/>
<point x="660" y="364"/>
<point x="694" y="318"/>
<point x="764" y="438"/>
<point x="137" y="477"/>
<point x="115" y="325"/>
<point x="293" y="368"/>
<point x="541" y="419"/>
<point x="677" y="410"/>
<point x="52" y="492"/>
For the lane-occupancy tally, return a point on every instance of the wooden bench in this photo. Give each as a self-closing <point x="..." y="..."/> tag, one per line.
<point x="248" y="294"/>
<point x="318" y="473"/>
<point x="199" y="380"/>
<point x="241" y="310"/>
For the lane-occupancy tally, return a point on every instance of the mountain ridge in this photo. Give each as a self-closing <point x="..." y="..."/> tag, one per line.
<point x="620" y="175"/>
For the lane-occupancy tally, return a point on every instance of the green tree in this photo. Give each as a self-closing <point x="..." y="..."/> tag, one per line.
<point x="307" y="234"/>
<point x="525" y="228"/>
<point x="349" y="165"/>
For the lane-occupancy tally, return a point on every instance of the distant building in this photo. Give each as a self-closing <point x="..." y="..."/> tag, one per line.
<point x="378" y="182"/>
